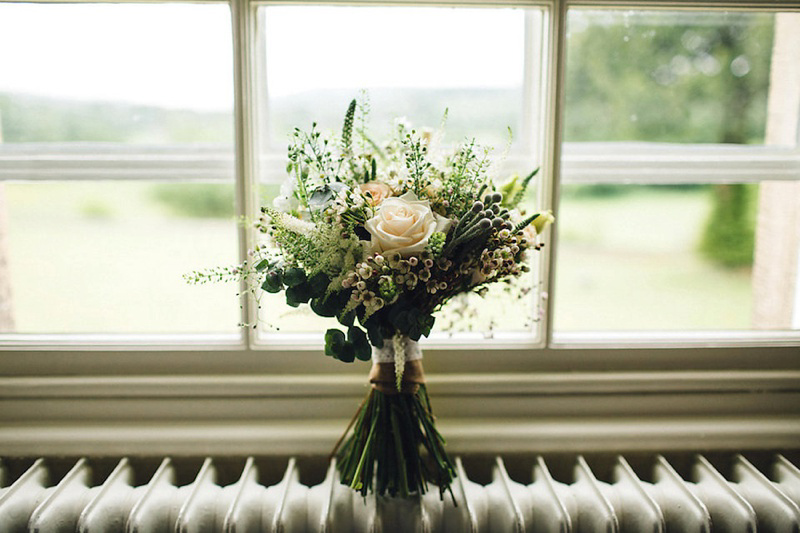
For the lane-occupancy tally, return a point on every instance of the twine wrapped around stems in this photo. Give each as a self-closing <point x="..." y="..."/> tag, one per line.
<point x="382" y="377"/>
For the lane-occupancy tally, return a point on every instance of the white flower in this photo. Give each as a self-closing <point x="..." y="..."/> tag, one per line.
<point x="404" y="224"/>
<point x="298" y="226"/>
<point x="285" y="204"/>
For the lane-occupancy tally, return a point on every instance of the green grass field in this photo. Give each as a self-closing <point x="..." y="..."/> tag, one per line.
<point x="108" y="257"/>
<point x="630" y="262"/>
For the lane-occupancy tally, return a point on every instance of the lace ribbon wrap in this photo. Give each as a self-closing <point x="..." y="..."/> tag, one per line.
<point x="397" y="375"/>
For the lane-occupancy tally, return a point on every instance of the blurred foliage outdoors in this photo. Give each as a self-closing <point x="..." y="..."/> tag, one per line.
<point x="675" y="77"/>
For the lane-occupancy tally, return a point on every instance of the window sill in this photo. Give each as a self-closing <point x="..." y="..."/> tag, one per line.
<point x="299" y="414"/>
<point x="464" y="437"/>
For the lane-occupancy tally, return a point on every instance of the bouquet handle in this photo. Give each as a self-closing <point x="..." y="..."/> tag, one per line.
<point x="394" y="441"/>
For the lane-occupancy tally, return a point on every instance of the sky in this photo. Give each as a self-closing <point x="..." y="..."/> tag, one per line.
<point x="166" y="55"/>
<point x="180" y="56"/>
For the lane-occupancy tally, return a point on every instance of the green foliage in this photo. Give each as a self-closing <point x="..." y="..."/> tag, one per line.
<point x="273" y="281"/>
<point x="334" y="342"/>
<point x="201" y="200"/>
<point x="514" y="190"/>
<point x="595" y="190"/>
<point x="632" y="77"/>
<point x="301" y="289"/>
<point x="331" y="305"/>
<point x="354" y="346"/>
<point x="729" y="236"/>
<point x="96" y="208"/>
<point x="407" y="319"/>
<point x="294" y="277"/>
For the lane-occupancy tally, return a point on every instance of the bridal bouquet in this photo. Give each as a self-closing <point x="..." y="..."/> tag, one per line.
<point x="379" y="236"/>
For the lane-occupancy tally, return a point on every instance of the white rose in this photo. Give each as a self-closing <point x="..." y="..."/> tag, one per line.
<point x="404" y="224"/>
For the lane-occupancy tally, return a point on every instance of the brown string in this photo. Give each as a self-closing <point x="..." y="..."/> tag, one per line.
<point x="382" y="377"/>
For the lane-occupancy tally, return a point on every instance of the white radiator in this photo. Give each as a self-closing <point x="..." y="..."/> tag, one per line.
<point x="46" y="496"/>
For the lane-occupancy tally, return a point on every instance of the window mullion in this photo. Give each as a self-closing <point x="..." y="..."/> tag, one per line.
<point x="661" y="163"/>
<point x="530" y="137"/>
<point x="242" y="18"/>
<point x="115" y="161"/>
<point x="548" y="196"/>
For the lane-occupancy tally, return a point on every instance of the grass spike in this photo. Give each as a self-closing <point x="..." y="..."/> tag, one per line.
<point x="347" y="129"/>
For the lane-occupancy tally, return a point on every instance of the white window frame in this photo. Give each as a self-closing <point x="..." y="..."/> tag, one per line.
<point x="109" y="394"/>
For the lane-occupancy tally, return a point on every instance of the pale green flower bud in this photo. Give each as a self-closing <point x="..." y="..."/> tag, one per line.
<point x="542" y="221"/>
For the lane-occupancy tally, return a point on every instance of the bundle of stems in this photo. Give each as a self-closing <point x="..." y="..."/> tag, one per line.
<point x="395" y="443"/>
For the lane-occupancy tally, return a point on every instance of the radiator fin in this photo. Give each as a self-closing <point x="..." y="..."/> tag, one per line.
<point x="40" y="498"/>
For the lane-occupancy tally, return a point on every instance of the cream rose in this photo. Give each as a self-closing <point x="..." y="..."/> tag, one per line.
<point x="404" y="224"/>
<point x="376" y="192"/>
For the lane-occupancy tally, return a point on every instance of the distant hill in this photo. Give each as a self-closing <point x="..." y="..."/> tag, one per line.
<point x="482" y="113"/>
<point x="26" y="118"/>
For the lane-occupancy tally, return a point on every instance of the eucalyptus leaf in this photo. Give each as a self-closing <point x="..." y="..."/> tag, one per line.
<point x="299" y="294"/>
<point x="320" y="198"/>
<point x="273" y="281"/>
<point x="425" y="323"/>
<point x="330" y="305"/>
<point x="294" y="276"/>
<point x="347" y="319"/>
<point x="319" y="284"/>
<point x="358" y="338"/>
<point x="347" y="354"/>
<point x="375" y="334"/>
<point x="334" y="342"/>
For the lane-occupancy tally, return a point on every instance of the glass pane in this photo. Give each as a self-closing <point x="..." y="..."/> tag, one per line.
<point x="136" y="73"/>
<point x="318" y="58"/>
<point x="667" y="76"/>
<point x="480" y="80"/>
<point x="689" y="257"/>
<point x="103" y="257"/>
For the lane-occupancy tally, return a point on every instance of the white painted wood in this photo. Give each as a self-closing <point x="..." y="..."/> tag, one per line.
<point x="653" y="163"/>
<point x="111" y="161"/>
<point x="315" y="436"/>
<point x="349" y="385"/>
